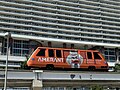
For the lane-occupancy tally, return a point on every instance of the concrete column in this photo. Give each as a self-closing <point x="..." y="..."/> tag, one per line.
<point x="101" y="49"/>
<point x="72" y="46"/>
<point x="117" y="54"/>
<point x="0" y="47"/>
<point x="85" y="47"/>
<point x="37" y="85"/>
<point x="64" y="45"/>
<point x="49" y="44"/>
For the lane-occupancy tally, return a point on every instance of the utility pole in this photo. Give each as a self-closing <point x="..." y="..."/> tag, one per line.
<point x="8" y="35"/>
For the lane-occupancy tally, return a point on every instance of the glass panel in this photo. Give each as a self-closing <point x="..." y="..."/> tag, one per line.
<point x="25" y="52"/>
<point x="112" y="58"/>
<point x="96" y="55"/>
<point x="17" y="45"/>
<point x="51" y="52"/>
<point x="58" y="53"/>
<point x="106" y="52"/>
<point x="41" y="52"/>
<point x="89" y="55"/>
<point x="111" y="53"/>
<point x="106" y="58"/>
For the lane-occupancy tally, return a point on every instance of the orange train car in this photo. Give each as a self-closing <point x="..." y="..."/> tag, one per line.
<point x="50" y="58"/>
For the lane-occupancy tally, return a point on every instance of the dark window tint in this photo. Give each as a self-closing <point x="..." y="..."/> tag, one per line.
<point x="51" y="52"/>
<point x="58" y="53"/>
<point x="74" y="88"/>
<point x="89" y="54"/>
<point x="96" y="55"/>
<point x="41" y="52"/>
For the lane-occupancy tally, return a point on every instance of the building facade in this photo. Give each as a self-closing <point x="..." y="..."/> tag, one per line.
<point x="81" y="24"/>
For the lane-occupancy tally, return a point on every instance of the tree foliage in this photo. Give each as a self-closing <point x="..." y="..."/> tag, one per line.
<point x="24" y="64"/>
<point x="117" y="67"/>
<point x="97" y="87"/>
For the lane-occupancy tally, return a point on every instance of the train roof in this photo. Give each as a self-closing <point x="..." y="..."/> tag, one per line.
<point x="66" y="49"/>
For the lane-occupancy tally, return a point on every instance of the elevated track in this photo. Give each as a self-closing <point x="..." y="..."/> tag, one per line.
<point x="59" y="78"/>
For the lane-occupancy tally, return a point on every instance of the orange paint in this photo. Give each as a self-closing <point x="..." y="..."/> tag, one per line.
<point x="67" y="58"/>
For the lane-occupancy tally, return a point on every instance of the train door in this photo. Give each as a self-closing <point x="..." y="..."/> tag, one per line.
<point x="41" y="57"/>
<point x="90" y="59"/>
<point x="51" y="55"/>
<point x="50" y="63"/>
<point x="59" y="59"/>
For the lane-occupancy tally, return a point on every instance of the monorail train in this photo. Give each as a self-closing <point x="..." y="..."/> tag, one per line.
<point x="50" y="58"/>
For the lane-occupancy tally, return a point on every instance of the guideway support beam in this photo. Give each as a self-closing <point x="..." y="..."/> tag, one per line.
<point x="37" y="85"/>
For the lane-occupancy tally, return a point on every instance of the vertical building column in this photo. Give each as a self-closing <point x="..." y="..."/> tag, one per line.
<point x="101" y="49"/>
<point x="37" y="84"/>
<point x="117" y="55"/>
<point x="72" y="46"/>
<point x="49" y="44"/>
<point x="0" y="45"/>
<point x="64" y="45"/>
<point x="85" y="47"/>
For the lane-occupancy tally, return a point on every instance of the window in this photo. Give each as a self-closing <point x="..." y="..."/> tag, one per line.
<point x="51" y="52"/>
<point x="110" y="54"/>
<point x="96" y="56"/>
<point x="58" y="53"/>
<point x="89" y="55"/>
<point x="17" y="47"/>
<point x="41" y="52"/>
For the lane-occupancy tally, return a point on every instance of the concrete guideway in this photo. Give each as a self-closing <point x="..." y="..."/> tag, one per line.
<point x="39" y="78"/>
<point x="78" y="76"/>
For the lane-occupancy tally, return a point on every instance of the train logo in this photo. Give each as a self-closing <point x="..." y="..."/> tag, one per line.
<point x="74" y="59"/>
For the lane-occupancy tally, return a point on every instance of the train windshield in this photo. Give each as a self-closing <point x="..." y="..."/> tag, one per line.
<point x="96" y="55"/>
<point x="41" y="52"/>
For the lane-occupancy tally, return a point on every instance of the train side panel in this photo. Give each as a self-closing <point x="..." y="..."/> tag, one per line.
<point x="48" y="57"/>
<point x="66" y="58"/>
<point x="93" y="60"/>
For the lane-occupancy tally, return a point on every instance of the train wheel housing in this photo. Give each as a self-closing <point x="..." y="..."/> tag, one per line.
<point x="49" y="66"/>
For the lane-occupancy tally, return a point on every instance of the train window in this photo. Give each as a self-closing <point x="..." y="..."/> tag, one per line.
<point x="51" y="53"/>
<point x="96" y="55"/>
<point x="58" y="53"/>
<point x="41" y="52"/>
<point x="89" y="55"/>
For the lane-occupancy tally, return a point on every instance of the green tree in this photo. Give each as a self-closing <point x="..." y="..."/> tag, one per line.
<point x="96" y="87"/>
<point x="117" y="67"/>
<point x="24" y="64"/>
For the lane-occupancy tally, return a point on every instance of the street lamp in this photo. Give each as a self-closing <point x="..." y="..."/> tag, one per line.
<point x="8" y="35"/>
